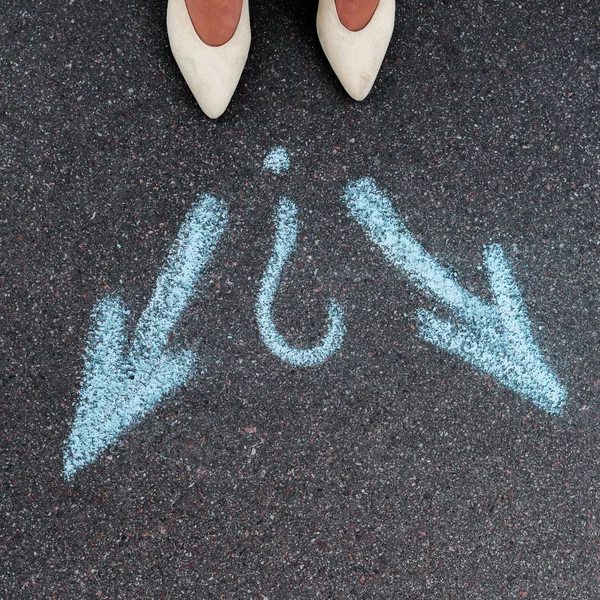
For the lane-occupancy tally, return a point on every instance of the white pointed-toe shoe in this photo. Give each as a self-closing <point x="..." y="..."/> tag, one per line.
<point x="211" y="72"/>
<point x="356" y="56"/>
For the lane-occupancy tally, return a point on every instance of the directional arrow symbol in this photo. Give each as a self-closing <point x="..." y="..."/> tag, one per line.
<point x="120" y="383"/>
<point x="495" y="337"/>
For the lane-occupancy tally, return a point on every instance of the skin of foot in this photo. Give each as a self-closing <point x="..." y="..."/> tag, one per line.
<point x="355" y="14"/>
<point x="215" y="21"/>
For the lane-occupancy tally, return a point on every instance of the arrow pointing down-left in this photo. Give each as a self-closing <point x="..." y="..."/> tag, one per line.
<point x="120" y="383"/>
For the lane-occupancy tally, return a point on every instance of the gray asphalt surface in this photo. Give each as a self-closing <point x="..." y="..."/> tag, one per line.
<point x="393" y="470"/>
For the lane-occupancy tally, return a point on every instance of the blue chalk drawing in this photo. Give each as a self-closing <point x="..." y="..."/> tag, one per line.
<point x="277" y="161"/>
<point x="285" y="238"/>
<point x="494" y="336"/>
<point x="121" y="385"/>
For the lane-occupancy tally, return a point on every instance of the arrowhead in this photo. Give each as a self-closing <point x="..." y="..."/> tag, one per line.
<point x="498" y="341"/>
<point x="117" y="390"/>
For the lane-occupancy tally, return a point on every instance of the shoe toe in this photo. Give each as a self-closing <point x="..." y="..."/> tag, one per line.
<point x="357" y="74"/>
<point x="212" y="88"/>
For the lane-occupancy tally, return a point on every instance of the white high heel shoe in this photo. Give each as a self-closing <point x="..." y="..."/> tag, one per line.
<point x="211" y="72"/>
<point x="356" y="56"/>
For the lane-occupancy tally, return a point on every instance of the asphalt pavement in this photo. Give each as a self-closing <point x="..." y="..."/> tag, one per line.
<point x="399" y="464"/>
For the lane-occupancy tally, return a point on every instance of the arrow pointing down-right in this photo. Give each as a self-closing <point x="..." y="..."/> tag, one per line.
<point x="495" y="337"/>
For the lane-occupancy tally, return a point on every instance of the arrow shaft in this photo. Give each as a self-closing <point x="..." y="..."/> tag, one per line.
<point x="375" y="213"/>
<point x="175" y="284"/>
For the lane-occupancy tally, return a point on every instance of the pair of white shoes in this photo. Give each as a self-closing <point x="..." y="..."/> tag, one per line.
<point x="213" y="72"/>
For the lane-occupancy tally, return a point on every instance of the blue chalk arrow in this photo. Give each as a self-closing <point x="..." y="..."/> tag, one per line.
<point x="495" y="336"/>
<point x="121" y="384"/>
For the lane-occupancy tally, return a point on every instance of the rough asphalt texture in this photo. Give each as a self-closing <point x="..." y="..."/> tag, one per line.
<point x="393" y="471"/>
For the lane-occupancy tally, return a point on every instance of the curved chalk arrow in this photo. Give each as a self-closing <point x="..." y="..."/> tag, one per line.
<point x="494" y="337"/>
<point x="120" y="384"/>
<point x="285" y="238"/>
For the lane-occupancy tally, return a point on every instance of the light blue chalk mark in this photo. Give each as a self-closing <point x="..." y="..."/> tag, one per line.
<point x="277" y="161"/>
<point x="121" y="385"/>
<point x="494" y="336"/>
<point x="285" y="239"/>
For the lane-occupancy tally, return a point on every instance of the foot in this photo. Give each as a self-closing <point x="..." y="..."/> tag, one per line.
<point x="211" y="64"/>
<point x="215" y="21"/>
<point x="355" y="35"/>
<point x="355" y="14"/>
